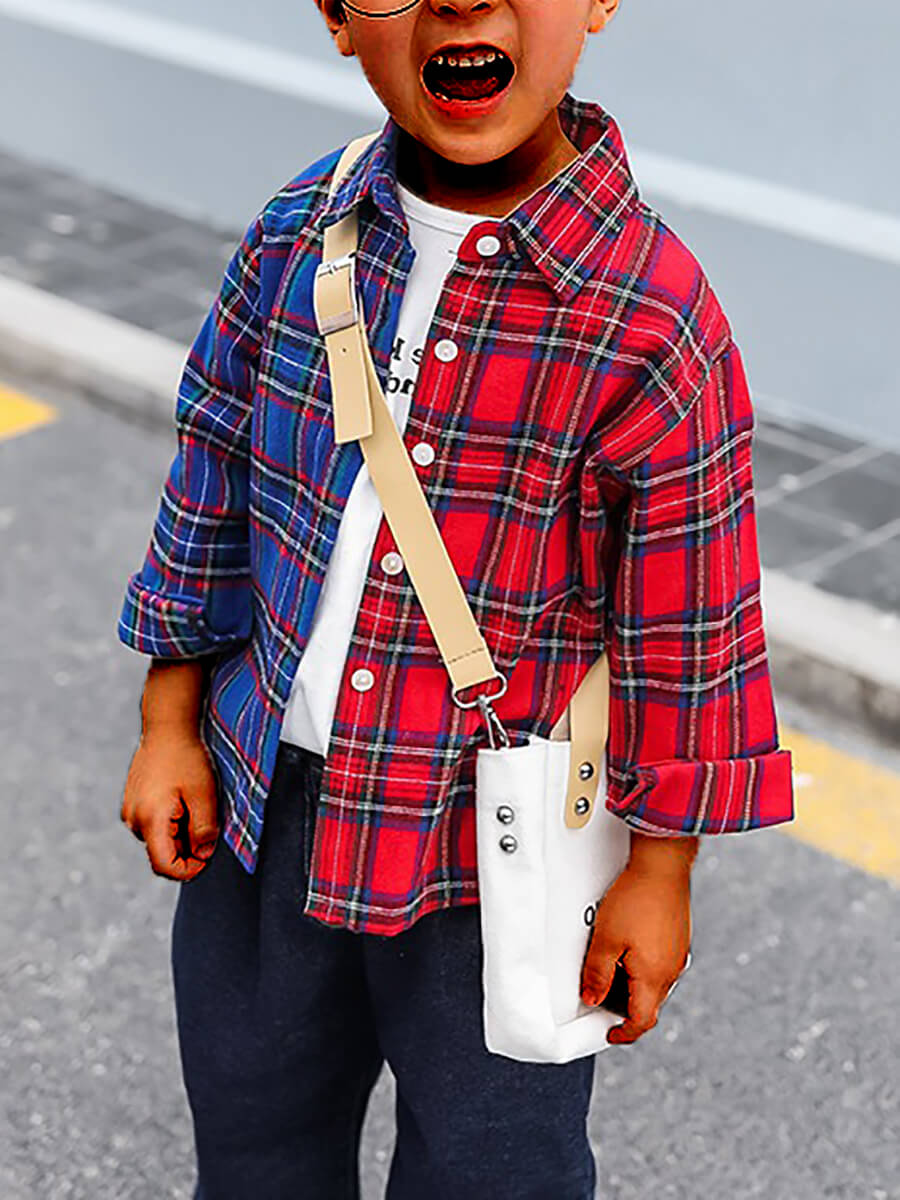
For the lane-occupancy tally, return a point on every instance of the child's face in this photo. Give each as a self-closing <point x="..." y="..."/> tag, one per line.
<point x="541" y="39"/>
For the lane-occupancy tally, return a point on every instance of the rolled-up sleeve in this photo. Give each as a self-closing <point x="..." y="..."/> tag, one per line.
<point x="192" y="594"/>
<point x="693" y="743"/>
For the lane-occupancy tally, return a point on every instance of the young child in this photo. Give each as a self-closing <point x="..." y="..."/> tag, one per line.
<point x="576" y="409"/>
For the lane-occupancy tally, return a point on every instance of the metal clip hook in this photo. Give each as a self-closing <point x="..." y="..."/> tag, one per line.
<point x="492" y="721"/>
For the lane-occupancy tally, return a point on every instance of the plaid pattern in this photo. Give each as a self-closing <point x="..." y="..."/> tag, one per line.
<point x="592" y="482"/>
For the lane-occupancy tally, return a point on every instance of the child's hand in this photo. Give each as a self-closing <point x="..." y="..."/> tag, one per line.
<point x="170" y="803"/>
<point x="644" y="918"/>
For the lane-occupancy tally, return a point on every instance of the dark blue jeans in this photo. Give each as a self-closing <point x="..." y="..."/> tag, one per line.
<point x="284" y="1023"/>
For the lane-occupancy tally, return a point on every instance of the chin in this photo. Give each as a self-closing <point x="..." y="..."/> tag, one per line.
<point x="473" y="150"/>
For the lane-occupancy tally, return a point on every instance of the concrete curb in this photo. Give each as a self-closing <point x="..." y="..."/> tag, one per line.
<point x="107" y="360"/>
<point x="831" y="654"/>
<point x="836" y="655"/>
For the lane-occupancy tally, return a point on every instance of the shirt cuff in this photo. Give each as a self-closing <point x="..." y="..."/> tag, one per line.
<point x="681" y="798"/>
<point x="168" y="626"/>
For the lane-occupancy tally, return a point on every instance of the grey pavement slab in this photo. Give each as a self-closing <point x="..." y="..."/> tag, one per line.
<point x="827" y="502"/>
<point x="772" y="1073"/>
<point x="871" y="575"/>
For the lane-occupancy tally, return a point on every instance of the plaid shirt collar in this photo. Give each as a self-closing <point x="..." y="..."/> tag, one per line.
<point x="564" y="250"/>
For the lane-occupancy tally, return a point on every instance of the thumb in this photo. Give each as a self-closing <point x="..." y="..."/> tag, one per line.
<point x="203" y="829"/>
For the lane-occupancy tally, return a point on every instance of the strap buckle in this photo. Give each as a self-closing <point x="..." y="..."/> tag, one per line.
<point x="492" y="721"/>
<point x="341" y="320"/>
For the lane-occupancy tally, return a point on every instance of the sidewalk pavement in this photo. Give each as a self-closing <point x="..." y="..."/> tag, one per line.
<point x="828" y="505"/>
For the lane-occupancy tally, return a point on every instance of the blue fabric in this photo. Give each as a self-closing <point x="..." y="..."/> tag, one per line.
<point x="284" y="1022"/>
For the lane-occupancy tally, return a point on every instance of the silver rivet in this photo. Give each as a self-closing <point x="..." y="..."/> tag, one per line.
<point x="508" y="843"/>
<point x="505" y="815"/>
<point x="582" y="805"/>
<point x="585" y="770"/>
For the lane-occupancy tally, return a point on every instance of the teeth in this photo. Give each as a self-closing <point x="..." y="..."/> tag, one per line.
<point x="478" y="59"/>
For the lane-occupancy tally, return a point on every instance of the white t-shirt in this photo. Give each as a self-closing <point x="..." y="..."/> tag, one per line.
<point x="436" y="234"/>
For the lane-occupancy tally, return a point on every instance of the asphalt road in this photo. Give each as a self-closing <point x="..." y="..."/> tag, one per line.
<point x="772" y="1073"/>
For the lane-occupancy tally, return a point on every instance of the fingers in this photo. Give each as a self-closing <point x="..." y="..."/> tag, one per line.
<point x="180" y="834"/>
<point x="644" y="994"/>
<point x="643" y="1008"/>
<point x="203" y="829"/>
<point x="597" y="973"/>
<point x="165" y="846"/>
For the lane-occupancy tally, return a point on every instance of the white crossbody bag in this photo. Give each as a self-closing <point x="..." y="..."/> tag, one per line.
<point x="547" y="847"/>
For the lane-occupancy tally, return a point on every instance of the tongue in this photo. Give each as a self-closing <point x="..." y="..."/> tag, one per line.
<point x="467" y="87"/>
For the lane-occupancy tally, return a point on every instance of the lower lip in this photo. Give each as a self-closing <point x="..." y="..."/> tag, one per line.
<point x="462" y="109"/>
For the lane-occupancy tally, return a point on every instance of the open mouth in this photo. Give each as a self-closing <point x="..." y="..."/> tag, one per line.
<point x="468" y="73"/>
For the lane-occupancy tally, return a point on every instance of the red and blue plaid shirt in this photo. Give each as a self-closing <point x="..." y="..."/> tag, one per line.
<point x="591" y="480"/>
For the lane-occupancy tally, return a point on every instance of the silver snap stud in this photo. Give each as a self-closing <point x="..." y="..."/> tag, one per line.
<point x="446" y="350"/>
<point x="582" y="805"/>
<point x="505" y="815"/>
<point x="423" y="454"/>
<point x="585" y="770"/>
<point x="508" y="843"/>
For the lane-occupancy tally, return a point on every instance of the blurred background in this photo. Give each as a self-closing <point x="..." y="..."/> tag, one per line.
<point x="138" y="139"/>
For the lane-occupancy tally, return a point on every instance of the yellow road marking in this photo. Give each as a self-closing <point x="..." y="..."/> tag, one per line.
<point x="845" y="806"/>
<point x="20" y="414"/>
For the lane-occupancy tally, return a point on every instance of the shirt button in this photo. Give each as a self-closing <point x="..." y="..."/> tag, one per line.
<point x="446" y="350"/>
<point x="423" y="454"/>
<point x="392" y="563"/>
<point x="362" y="679"/>
<point x="487" y="245"/>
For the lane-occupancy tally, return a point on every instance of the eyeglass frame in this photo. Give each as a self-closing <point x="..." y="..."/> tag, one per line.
<point x="396" y="12"/>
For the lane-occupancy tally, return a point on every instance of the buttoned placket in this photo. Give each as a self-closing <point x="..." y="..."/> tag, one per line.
<point x="361" y="699"/>
<point x="437" y="378"/>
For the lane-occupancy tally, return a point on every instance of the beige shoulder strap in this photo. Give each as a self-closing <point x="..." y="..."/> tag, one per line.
<point x="361" y="412"/>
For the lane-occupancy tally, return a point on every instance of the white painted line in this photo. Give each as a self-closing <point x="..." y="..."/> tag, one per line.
<point x="815" y="568"/>
<point x="133" y="367"/>
<point x="786" y="210"/>
<point x="204" y="50"/>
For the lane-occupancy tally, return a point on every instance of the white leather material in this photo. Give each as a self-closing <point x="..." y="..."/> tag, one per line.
<point x="537" y="902"/>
